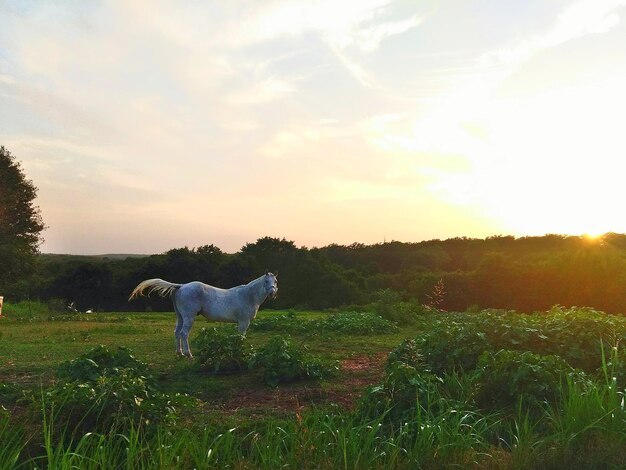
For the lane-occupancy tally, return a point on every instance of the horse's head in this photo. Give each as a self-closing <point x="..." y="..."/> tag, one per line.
<point x="271" y="284"/>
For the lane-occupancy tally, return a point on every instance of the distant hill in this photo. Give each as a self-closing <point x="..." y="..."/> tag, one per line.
<point x="88" y="258"/>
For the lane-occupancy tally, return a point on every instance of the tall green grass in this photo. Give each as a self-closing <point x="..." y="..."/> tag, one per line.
<point x="581" y="425"/>
<point x="12" y="442"/>
<point x="315" y="440"/>
<point x="586" y="428"/>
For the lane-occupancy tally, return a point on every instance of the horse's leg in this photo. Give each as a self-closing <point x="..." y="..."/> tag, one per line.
<point x="179" y="327"/>
<point x="243" y="326"/>
<point x="177" y="334"/>
<point x="187" y="324"/>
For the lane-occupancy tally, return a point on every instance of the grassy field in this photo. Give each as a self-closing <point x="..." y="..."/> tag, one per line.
<point x="31" y="348"/>
<point x="490" y="389"/>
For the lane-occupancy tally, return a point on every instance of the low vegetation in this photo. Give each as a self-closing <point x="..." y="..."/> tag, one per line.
<point x="487" y="389"/>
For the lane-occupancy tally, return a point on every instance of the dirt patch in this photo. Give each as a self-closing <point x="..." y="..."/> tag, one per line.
<point x="372" y="364"/>
<point x="356" y="373"/>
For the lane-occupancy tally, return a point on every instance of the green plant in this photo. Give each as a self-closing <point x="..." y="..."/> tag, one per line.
<point x="101" y="362"/>
<point x="404" y="394"/>
<point x="505" y="377"/>
<point x="449" y="345"/>
<point x="101" y="389"/>
<point x="222" y="350"/>
<point x="407" y="353"/>
<point x="389" y="305"/>
<point x="12" y="442"/>
<point x="283" y="361"/>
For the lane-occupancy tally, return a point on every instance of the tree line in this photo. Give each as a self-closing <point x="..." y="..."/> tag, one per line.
<point x="525" y="274"/>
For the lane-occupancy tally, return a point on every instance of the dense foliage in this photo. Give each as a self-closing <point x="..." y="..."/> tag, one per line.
<point x="222" y="350"/>
<point x="526" y="274"/>
<point x="284" y="361"/>
<point x="583" y="337"/>
<point x="505" y="377"/>
<point x="498" y="360"/>
<point x="102" y="389"/>
<point x="20" y="224"/>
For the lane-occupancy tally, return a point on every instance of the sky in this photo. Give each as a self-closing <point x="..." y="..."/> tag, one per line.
<point x="151" y="125"/>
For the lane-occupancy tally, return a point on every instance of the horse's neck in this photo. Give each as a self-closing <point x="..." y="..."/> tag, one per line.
<point x="257" y="290"/>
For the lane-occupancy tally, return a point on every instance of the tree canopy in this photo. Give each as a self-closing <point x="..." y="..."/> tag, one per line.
<point x="526" y="274"/>
<point x="20" y="222"/>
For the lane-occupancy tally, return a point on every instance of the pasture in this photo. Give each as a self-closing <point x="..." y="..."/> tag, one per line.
<point x="488" y="389"/>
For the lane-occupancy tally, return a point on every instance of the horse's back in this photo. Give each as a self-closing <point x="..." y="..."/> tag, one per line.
<point x="200" y="291"/>
<point x="214" y="303"/>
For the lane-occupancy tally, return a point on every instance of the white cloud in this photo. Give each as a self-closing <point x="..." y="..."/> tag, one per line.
<point x="581" y="18"/>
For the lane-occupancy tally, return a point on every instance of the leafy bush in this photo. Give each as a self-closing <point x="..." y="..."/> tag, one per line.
<point x="449" y="346"/>
<point x="101" y="389"/>
<point x="284" y="361"/>
<point x="404" y="393"/>
<point x="505" y="377"/>
<point x="101" y="362"/>
<point x="222" y="350"/>
<point x="389" y="305"/>
<point x="575" y="334"/>
<point x="115" y="400"/>
<point x="407" y="353"/>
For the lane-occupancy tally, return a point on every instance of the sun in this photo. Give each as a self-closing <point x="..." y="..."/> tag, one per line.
<point x="593" y="236"/>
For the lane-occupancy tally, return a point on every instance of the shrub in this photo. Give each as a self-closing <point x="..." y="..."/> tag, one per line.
<point x="101" y="362"/>
<point x="390" y="306"/>
<point x="101" y="389"/>
<point x="504" y="377"/>
<point x="449" y="346"/>
<point x="406" y="353"/>
<point x="222" y="350"/>
<point x="404" y="393"/>
<point x="283" y="361"/>
<point x="109" y="401"/>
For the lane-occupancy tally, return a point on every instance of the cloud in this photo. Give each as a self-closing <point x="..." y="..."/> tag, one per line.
<point x="579" y="19"/>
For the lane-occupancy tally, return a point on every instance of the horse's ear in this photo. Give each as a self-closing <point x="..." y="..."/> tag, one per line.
<point x="276" y="274"/>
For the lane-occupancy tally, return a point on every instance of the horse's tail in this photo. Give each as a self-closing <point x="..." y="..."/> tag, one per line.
<point x="161" y="287"/>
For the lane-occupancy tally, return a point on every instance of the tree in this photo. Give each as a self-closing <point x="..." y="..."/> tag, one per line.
<point x="20" y="222"/>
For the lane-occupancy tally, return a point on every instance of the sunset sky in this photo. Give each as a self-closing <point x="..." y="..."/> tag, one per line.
<point x="153" y="125"/>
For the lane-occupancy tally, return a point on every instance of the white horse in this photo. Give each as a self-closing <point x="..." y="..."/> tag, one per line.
<point x="236" y="305"/>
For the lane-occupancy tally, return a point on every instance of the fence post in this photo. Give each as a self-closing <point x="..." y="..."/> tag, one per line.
<point x="1" y="299"/>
